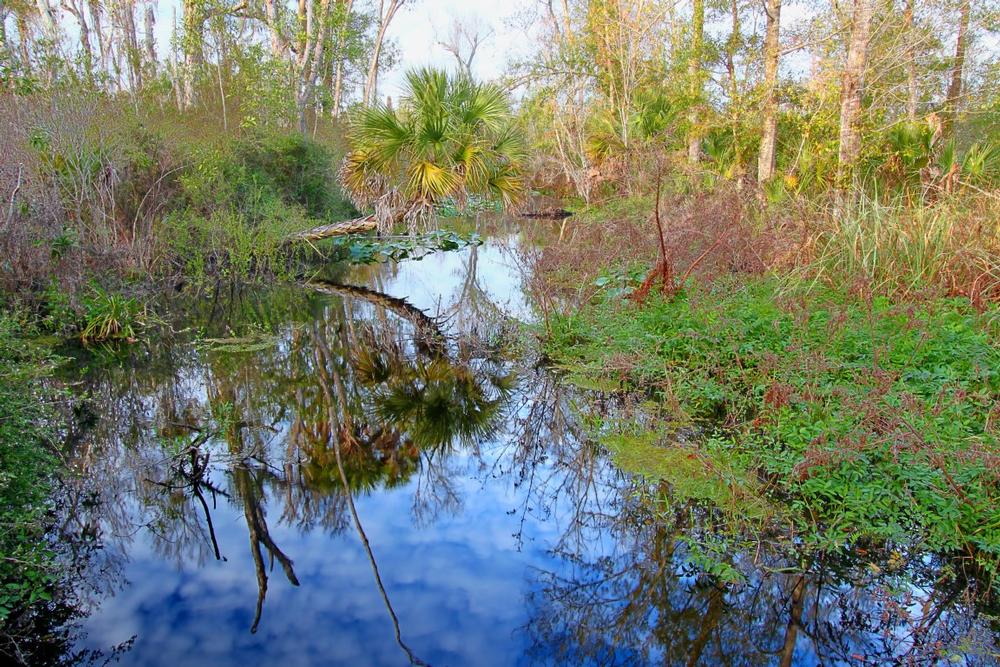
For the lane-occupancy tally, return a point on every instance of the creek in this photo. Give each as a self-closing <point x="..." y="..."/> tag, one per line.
<point x="372" y="467"/>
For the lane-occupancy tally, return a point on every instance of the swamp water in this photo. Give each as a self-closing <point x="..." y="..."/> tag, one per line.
<point x="373" y="469"/>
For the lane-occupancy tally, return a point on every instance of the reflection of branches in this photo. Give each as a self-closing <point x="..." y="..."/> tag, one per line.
<point x="194" y="480"/>
<point x="644" y="602"/>
<point x="347" y="431"/>
<point x="259" y="535"/>
<point x="426" y="327"/>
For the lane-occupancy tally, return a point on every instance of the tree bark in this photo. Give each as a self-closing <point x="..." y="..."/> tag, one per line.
<point x="852" y="87"/>
<point x="79" y="12"/>
<point x="695" y="75"/>
<point x="278" y="44"/>
<point x="957" y="68"/>
<point x="310" y="55"/>
<point x="126" y="11"/>
<point x="150" y="39"/>
<point x="193" y="19"/>
<point x="356" y="226"/>
<point x="23" y="36"/>
<point x="47" y="16"/>
<point x="371" y="83"/>
<point x="772" y="55"/>
<point x="97" y="23"/>
<point x="338" y="81"/>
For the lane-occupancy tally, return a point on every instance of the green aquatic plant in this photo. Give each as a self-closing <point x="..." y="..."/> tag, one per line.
<point x="369" y="250"/>
<point x="109" y="316"/>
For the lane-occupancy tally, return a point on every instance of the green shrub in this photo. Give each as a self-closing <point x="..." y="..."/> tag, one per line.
<point x="109" y="316"/>
<point x="869" y="419"/>
<point x="301" y="171"/>
<point x="28" y="425"/>
<point x="239" y="200"/>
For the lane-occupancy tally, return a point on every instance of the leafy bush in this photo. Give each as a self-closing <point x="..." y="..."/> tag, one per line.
<point x="239" y="200"/>
<point x="301" y="171"/>
<point x="27" y="426"/>
<point x="109" y="316"/>
<point x="872" y="420"/>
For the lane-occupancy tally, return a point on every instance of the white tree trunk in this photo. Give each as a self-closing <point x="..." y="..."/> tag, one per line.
<point x="852" y="87"/>
<point x="772" y="55"/>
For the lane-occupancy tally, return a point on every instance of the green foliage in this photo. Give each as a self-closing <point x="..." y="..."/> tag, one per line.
<point x="28" y="425"/>
<point x="299" y="170"/>
<point x="448" y="139"/>
<point x="109" y="317"/>
<point x="239" y="200"/>
<point x="869" y="419"/>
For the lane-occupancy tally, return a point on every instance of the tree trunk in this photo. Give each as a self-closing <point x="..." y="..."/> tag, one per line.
<point x="192" y="41"/>
<point x="22" y="40"/>
<point x="356" y="226"/>
<point x="371" y="84"/>
<point x="310" y="54"/>
<point x="772" y="55"/>
<point x="957" y="67"/>
<point x="3" y="33"/>
<point x="79" y="12"/>
<point x="47" y="16"/>
<point x="97" y="23"/>
<point x="911" y="63"/>
<point x="150" y="39"/>
<point x="695" y="75"/>
<point x="338" y="80"/>
<point x="278" y="44"/>
<point x="732" y="48"/>
<point x="133" y="54"/>
<point x="852" y="87"/>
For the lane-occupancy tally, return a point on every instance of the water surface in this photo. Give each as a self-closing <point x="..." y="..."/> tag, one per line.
<point x="373" y="468"/>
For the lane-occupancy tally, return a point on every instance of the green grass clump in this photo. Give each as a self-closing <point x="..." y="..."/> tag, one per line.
<point x="869" y="419"/>
<point x="27" y="426"/>
<point x="108" y="316"/>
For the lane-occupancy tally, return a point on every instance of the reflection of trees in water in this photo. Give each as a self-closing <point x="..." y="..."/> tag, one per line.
<point x="265" y="429"/>
<point x="642" y="602"/>
<point x="359" y="392"/>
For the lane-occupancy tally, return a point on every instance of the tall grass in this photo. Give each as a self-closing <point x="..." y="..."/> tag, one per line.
<point x="84" y="200"/>
<point x="951" y="246"/>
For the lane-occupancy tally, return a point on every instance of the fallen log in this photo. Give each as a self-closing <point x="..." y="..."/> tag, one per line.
<point x="355" y="226"/>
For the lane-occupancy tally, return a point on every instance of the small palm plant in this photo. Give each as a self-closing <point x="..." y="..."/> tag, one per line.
<point x="449" y="138"/>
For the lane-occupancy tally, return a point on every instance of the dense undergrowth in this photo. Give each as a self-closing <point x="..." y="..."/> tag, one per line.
<point x="28" y="429"/>
<point x="845" y="383"/>
<point x="98" y="207"/>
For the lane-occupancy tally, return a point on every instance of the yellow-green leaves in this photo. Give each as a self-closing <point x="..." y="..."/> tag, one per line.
<point x="447" y="139"/>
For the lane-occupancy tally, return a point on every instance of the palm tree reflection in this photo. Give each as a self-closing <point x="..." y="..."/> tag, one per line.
<point x="370" y="401"/>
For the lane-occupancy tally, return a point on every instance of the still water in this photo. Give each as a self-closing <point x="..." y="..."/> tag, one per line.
<point x="373" y="468"/>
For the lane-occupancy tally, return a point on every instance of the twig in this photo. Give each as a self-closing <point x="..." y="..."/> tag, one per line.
<point x="13" y="195"/>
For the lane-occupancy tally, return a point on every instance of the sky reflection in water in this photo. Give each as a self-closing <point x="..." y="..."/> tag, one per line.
<point x="523" y="545"/>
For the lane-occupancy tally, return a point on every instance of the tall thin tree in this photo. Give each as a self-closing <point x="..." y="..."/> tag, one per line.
<point x="852" y="87"/>
<point x="772" y="56"/>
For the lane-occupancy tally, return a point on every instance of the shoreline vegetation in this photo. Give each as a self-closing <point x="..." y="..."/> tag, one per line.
<point x="791" y="282"/>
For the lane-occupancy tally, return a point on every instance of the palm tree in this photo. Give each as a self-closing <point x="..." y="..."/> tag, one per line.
<point x="449" y="138"/>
